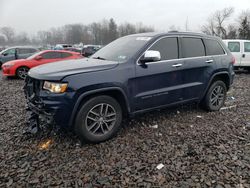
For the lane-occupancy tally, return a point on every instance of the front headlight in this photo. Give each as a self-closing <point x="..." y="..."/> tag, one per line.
<point x="7" y="65"/>
<point x="55" y="87"/>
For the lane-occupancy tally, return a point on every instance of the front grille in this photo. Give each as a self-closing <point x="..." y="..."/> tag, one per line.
<point x="32" y="88"/>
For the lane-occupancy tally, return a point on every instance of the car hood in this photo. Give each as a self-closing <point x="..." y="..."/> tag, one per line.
<point x="59" y="70"/>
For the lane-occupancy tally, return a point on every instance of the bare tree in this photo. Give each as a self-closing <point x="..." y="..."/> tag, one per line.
<point x="216" y="22"/>
<point x="9" y="33"/>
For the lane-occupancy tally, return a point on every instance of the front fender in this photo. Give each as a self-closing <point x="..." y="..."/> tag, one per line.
<point x="92" y="92"/>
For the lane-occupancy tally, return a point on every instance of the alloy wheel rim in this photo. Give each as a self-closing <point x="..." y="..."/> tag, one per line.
<point x="101" y="119"/>
<point x="22" y="72"/>
<point x="217" y="96"/>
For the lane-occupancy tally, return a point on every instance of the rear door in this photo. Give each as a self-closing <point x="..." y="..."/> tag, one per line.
<point x="246" y="54"/>
<point x="236" y="48"/>
<point x="160" y="83"/>
<point x="198" y="67"/>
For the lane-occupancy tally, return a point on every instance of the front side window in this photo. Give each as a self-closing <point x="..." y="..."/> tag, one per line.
<point x="168" y="48"/>
<point x="246" y="46"/>
<point x="234" y="46"/>
<point x="213" y="47"/>
<point x="10" y="51"/>
<point x="51" y="55"/>
<point x="192" y="47"/>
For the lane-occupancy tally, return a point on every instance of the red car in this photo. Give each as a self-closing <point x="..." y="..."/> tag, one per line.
<point x="21" y="67"/>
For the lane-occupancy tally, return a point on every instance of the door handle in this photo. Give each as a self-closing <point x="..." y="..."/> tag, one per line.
<point x="210" y="61"/>
<point x="177" y="65"/>
<point x="243" y="55"/>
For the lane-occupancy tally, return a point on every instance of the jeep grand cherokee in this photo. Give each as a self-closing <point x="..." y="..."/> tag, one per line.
<point x="131" y="75"/>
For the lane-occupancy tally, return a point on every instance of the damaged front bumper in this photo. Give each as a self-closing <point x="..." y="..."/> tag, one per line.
<point x="44" y="108"/>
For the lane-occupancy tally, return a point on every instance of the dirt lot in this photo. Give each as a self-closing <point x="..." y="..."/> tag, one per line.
<point x="197" y="148"/>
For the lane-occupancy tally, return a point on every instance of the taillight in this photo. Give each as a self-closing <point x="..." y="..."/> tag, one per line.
<point x="233" y="60"/>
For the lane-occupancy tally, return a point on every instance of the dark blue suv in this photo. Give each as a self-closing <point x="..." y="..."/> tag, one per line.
<point x="131" y="75"/>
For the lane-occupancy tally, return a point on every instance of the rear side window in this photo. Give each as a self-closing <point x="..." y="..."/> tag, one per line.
<point x="51" y="55"/>
<point x="23" y="51"/>
<point x="168" y="47"/>
<point x="213" y="47"/>
<point x="246" y="46"/>
<point x="234" y="46"/>
<point x="192" y="47"/>
<point x="65" y="54"/>
<point x="32" y="50"/>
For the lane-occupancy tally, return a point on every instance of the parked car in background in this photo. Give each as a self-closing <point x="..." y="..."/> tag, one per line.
<point x="13" y="53"/>
<point x="21" y="67"/>
<point x="131" y="75"/>
<point x="62" y="46"/>
<point x="79" y="50"/>
<point x="241" y="51"/>
<point x="89" y="50"/>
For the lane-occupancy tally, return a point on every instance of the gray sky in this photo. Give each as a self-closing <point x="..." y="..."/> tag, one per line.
<point x="33" y="15"/>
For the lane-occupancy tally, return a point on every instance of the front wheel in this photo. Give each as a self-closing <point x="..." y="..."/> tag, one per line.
<point x="99" y="119"/>
<point x="216" y="96"/>
<point x="22" y="72"/>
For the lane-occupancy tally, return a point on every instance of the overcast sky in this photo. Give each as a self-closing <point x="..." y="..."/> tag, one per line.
<point x="33" y="15"/>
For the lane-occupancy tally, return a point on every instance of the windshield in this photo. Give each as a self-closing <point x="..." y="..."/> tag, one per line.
<point x="121" y="49"/>
<point x="34" y="55"/>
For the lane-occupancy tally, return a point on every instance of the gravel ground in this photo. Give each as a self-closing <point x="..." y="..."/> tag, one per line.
<point x="197" y="148"/>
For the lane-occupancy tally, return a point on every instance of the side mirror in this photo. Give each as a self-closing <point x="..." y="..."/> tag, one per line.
<point x="5" y="54"/>
<point x="38" y="57"/>
<point x="151" y="56"/>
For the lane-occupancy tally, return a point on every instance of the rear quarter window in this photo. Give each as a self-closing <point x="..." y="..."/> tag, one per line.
<point x="213" y="47"/>
<point x="192" y="47"/>
<point x="51" y="55"/>
<point x="65" y="54"/>
<point x="234" y="46"/>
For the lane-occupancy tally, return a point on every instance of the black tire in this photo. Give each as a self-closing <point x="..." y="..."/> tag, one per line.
<point x="215" y="96"/>
<point x="248" y="69"/>
<point x="91" y="116"/>
<point x="22" y="72"/>
<point x="1" y="65"/>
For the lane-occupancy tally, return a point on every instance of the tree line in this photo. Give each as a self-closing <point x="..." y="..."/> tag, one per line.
<point x="221" y="23"/>
<point x="100" y="33"/>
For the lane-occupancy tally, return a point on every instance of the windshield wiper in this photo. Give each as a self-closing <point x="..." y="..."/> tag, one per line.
<point x="101" y="58"/>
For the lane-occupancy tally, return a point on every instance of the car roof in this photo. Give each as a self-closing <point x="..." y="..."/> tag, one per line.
<point x="172" y="33"/>
<point x="60" y="51"/>
<point x="228" y="40"/>
<point x="22" y="47"/>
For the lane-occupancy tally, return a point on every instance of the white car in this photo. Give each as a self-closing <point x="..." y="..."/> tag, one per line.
<point x="241" y="51"/>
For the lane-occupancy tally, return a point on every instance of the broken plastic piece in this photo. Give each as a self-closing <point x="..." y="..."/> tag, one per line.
<point x="154" y="126"/>
<point x="160" y="166"/>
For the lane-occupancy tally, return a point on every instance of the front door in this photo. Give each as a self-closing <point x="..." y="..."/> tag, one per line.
<point x="160" y="83"/>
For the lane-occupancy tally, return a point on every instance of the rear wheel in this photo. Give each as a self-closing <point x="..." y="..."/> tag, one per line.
<point x="99" y="119"/>
<point x="22" y="72"/>
<point x="215" y="96"/>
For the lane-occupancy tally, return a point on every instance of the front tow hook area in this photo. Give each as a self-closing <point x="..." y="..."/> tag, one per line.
<point x="37" y="121"/>
<point x="32" y="123"/>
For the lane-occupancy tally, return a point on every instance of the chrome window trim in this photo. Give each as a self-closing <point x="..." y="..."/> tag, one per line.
<point x="185" y="58"/>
